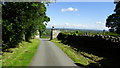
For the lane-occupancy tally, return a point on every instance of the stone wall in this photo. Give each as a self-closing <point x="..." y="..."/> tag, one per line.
<point x="99" y="43"/>
<point x="105" y="37"/>
<point x="107" y="47"/>
<point x="54" y="33"/>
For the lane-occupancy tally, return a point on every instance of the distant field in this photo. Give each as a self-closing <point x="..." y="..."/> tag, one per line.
<point x="82" y="31"/>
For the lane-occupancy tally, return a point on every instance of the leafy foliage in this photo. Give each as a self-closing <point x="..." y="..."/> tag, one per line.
<point x="22" y="19"/>
<point x="113" y="21"/>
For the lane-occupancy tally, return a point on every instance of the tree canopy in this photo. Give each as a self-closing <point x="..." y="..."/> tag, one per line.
<point x="21" y="20"/>
<point x="113" y="21"/>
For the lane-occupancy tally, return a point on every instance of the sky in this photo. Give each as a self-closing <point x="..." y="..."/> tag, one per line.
<point x="79" y="15"/>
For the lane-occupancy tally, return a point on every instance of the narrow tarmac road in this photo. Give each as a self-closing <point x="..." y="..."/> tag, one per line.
<point x="48" y="54"/>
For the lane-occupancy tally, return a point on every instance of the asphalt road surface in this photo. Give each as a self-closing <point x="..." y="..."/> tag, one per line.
<point x="48" y="54"/>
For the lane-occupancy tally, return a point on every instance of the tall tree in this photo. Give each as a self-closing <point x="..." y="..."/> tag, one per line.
<point x="113" y="21"/>
<point x="21" y="19"/>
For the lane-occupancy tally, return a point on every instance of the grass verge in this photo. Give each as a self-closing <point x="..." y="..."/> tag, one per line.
<point x="78" y="57"/>
<point x="22" y="55"/>
<point x="0" y="61"/>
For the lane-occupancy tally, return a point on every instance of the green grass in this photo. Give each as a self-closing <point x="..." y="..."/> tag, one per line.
<point x="22" y="55"/>
<point x="0" y="61"/>
<point x="77" y="57"/>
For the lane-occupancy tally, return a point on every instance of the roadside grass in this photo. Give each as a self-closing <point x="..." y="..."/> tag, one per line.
<point x="0" y="61"/>
<point x="82" y="58"/>
<point x="22" y="55"/>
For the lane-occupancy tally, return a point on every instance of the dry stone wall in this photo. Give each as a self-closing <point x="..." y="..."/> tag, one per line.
<point x="99" y="43"/>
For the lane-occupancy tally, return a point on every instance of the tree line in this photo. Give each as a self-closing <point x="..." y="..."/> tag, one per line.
<point x="21" y="20"/>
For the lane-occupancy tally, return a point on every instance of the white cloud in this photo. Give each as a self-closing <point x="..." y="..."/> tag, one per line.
<point x="66" y="24"/>
<point x="70" y="25"/>
<point x="98" y="22"/>
<point x="86" y="0"/>
<point x="69" y="9"/>
<point x="101" y="25"/>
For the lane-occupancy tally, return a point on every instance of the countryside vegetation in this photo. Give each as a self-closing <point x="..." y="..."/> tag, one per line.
<point x="93" y="49"/>
<point x="113" y="21"/>
<point x="20" y="23"/>
<point x="22" y="20"/>
<point x="90" y="50"/>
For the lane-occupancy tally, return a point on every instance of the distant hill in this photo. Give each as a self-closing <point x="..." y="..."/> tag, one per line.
<point x="82" y="30"/>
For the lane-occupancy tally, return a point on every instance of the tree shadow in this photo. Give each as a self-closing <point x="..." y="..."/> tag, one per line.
<point x="91" y="65"/>
<point x="109" y="51"/>
<point x="29" y="41"/>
